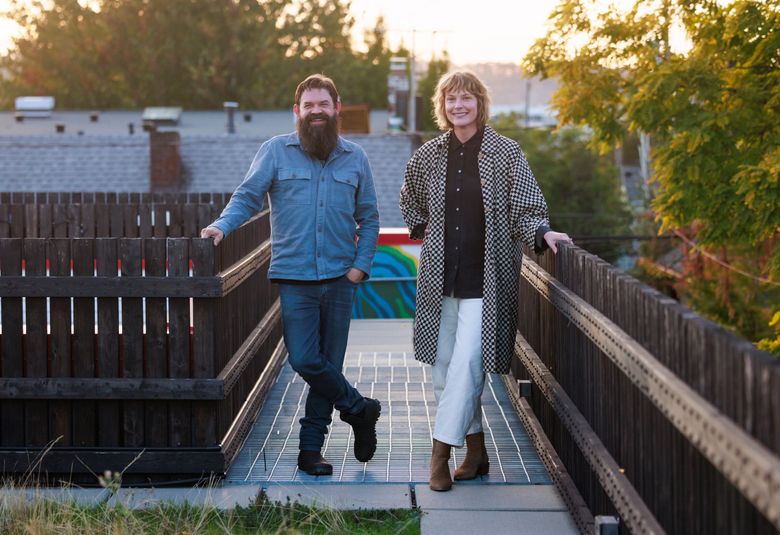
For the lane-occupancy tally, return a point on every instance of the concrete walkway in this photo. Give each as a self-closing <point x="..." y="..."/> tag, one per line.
<point x="516" y="497"/>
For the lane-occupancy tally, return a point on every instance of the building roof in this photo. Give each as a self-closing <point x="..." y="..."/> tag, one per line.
<point x="209" y="163"/>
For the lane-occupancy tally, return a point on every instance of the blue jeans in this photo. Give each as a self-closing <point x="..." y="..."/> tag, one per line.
<point x="315" y="320"/>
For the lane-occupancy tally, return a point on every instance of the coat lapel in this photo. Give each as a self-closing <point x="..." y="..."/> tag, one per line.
<point x="486" y="168"/>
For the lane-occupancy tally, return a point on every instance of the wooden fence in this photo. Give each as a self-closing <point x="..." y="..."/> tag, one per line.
<point x="660" y="417"/>
<point x="129" y="340"/>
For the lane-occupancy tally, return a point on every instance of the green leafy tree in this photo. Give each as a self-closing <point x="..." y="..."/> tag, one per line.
<point x="582" y="188"/>
<point x="713" y="115"/>
<point x="194" y="53"/>
<point x="437" y="67"/>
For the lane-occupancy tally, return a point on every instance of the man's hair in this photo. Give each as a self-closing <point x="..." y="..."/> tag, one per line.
<point x="317" y="81"/>
<point x="460" y="81"/>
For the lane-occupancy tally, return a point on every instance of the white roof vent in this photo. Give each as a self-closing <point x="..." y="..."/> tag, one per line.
<point x="34" y="106"/>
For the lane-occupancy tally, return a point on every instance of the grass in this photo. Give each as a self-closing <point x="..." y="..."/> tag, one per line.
<point x="41" y="516"/>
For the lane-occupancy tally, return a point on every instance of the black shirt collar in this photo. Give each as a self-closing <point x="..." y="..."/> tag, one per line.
<point x="474" y="142"/>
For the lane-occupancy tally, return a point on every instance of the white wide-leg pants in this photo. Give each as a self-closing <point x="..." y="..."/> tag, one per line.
<point x="458" y="378"/>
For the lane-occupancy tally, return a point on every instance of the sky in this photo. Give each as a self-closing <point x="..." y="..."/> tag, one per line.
<point x="472" y="32"/>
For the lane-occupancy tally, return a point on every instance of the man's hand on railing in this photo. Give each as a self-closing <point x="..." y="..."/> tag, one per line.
<point x="212" y="232"/>
<point x="552" y="238"/>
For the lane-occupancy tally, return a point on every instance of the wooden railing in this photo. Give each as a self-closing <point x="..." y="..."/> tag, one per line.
<point x="660" y="417"/>
<point x="113" y="346"/>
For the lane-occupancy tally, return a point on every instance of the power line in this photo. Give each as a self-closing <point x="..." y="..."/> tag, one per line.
<point x="712" y="257"/>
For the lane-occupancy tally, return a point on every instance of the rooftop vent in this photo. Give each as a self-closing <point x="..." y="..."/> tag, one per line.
<point x="161" y="115"/>
<point x="33" y="107"/>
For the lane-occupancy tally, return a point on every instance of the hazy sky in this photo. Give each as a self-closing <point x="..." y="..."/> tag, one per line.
<point x="472" y="32"/>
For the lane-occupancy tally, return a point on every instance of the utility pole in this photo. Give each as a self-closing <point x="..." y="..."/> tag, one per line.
<point x="412" y="104"/>
<point x="412" y="127"/>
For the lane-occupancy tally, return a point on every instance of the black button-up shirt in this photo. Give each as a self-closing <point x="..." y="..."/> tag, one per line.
<point x="464" y="220"/>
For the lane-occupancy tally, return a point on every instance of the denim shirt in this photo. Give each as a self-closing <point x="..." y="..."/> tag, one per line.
<point x="324" y="217"/>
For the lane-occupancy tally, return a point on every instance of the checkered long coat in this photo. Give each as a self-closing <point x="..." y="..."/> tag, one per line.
<point x="514" y="209"/>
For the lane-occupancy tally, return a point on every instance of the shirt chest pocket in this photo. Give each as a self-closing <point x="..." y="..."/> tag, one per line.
<point x="343" y="189"/>
<point x="294" y="186"/>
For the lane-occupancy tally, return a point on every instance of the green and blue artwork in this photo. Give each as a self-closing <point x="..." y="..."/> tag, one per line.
<point x="391" y="290"/>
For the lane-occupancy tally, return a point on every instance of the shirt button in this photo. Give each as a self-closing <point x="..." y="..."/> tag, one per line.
<point x="457" y="228"/>
<point x="322" y="179"/>
<point x="457" y="209"/>
<point x="461" y="154"/>
<point x="319" y="255"/>
<point x="460" y="170"/>
<point x="319" y="229"/>
<point x="457" y="189"/>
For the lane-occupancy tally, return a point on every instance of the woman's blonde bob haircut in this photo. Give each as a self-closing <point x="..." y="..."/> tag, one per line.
<point x="460" y="81"/>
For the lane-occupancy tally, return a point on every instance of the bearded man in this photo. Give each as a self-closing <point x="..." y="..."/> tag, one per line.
<point x="324" y="231"/>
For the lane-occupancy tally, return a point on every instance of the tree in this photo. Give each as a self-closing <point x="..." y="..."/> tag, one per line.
<point x="713" y="114"/>
<point x="581" y="187"/>
<point x="437" y="67"/>
<point x="193" y="53"/>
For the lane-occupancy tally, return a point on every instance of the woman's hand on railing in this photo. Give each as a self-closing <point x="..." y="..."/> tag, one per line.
<point x="212" y="232"/>
<point x="552" y="238"/>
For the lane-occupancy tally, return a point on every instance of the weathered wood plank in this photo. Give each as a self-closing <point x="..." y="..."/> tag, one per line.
<point x="36" y="350"/>
<point x="203" y="339"/>
<point x="108" y="340"/>
<point x="60" y="424"/>
<point x="11" y="412"/>
<point x="156" y="365"/>
<point x="130" y="254"/>
<point x="115" y="388"/>
<point x="179" y="343"/>
<point x="111" y="286"/>
<point x="84" y="412"/>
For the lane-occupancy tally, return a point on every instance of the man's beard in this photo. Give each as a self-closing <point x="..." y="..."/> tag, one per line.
<point x="318" y="140"/>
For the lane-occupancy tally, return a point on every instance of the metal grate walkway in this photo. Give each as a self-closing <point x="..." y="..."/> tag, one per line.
<point x="388" y="373"/>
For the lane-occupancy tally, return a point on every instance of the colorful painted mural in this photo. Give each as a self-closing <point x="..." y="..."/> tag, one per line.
<point x="391" y="290"/>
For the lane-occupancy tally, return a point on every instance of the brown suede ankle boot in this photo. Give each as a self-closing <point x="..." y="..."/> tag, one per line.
<point x="476" y="462"/>
<point x="440" y="469"/>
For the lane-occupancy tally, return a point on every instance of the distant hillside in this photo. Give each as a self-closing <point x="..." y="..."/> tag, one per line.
<point x="507" y="85"/>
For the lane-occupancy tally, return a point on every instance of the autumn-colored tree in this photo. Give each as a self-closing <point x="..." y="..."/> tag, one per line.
<point x="582" y="188"/>
<point x="712" y="113"/>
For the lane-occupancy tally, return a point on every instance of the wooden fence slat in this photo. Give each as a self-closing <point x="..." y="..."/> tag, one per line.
<point x="145" y="224"/>
<point x="5" y="222"/>
<point x="116" y="222"/>
<point x="175" y="227"/>
<point x="156" y="417"/>
<point x="59" y="221"/>
<point x="45" y="229"/>
<point x="130" y="212"/>
<point x="74" y="220"/>
<point x="108" y="341"/>
<point x="17" y="220"/>
<point x="36" y="412"/>
<point x="88" y="220"/>
<point x="179" y="342"/>
<point x="31" y="229"/>
<point x="130" y="254"/>
<point x="58" y="253"/>
<point x="203" y="344"/>
<point x="102" y="221"/>
<point x="189" y="216"/>
<point x="84" y="411"/>
<point x="160" y="225"/>
<point x="11" y="412"/>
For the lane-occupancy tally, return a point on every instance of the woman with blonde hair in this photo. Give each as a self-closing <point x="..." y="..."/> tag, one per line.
<point x="470" y="195"/>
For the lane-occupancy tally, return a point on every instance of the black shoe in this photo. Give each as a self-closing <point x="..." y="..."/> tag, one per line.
<point x="314" y="464"/>
<point x="364" y="427"/>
